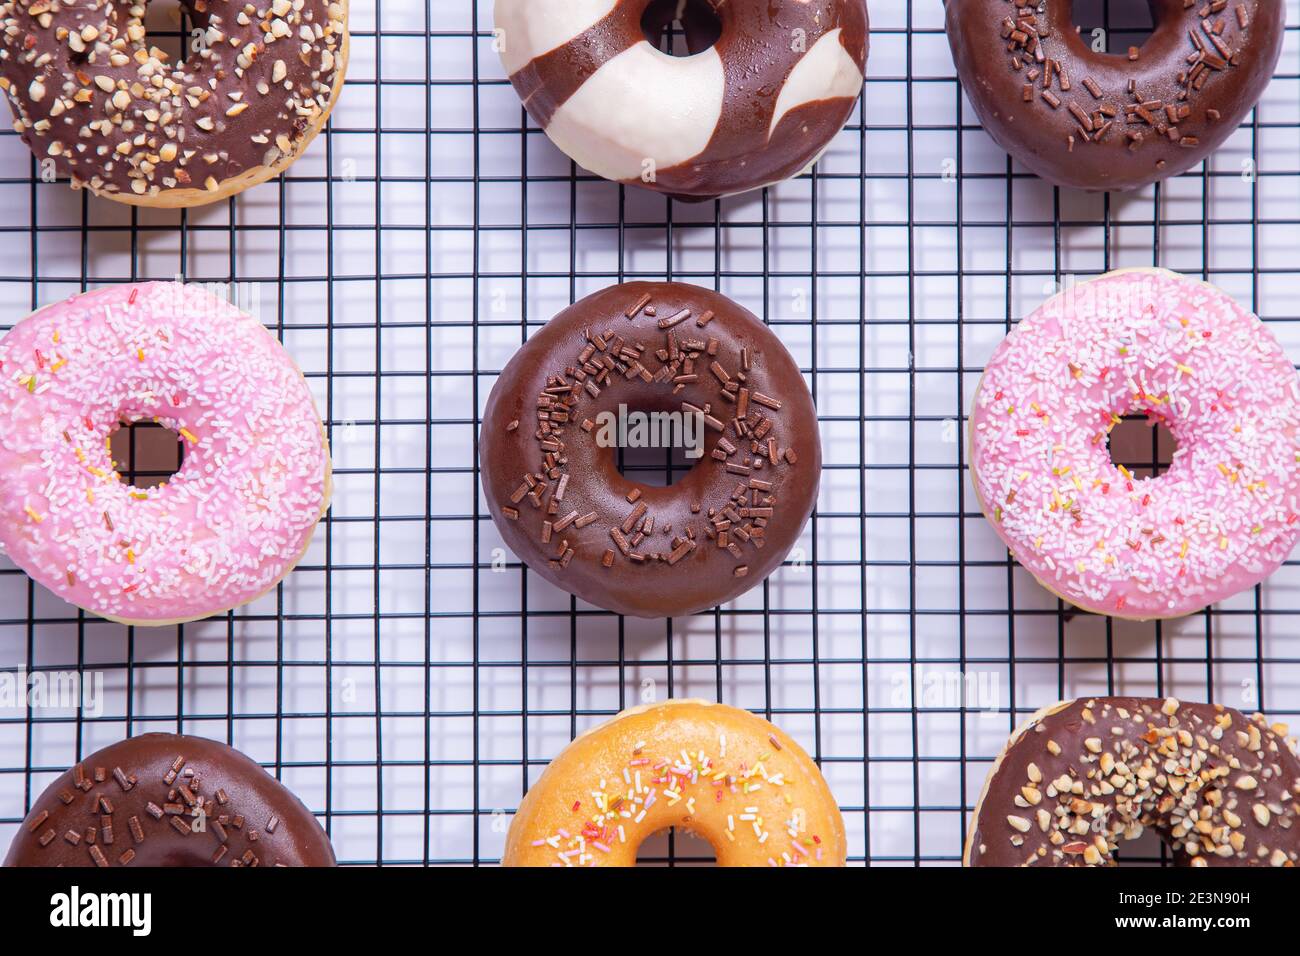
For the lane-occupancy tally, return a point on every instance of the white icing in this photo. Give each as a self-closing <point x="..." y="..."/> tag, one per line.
<point x="642" y="105"/>
<point x="825" y="72"/>
<point x="529" y="28"/>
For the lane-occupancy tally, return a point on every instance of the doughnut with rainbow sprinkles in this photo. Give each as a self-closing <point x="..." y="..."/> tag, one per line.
<point x="234" y="519"/>
<point x="1220" y="520"/>
<point x="720" y="772"/>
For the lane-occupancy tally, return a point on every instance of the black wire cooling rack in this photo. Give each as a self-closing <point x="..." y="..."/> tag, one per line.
<point x="410" y="678"/>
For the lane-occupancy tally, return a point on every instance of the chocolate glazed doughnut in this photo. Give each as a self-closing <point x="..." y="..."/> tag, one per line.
<point x="1113" y="120"/>
<point x="169" y="800"/>
<point x="758" y="106"/>
<point x="90" y="93"/>
<point x="550" y="473"/>
<point x="1220" y="788"/>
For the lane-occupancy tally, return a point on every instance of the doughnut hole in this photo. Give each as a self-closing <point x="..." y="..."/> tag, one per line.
<point x="165" y="27"/>
<point x="653" y="455"/>
<point x="1147" y="850"/>
<point x="681" y="27"/>
<point x="146" y="454"/>
<point x="675" y="847"/>
<point x="654" y="467"/>
<point x="168" y="25"/>
<point x="1143" y="445"/>
<point x="1123" y="24"/>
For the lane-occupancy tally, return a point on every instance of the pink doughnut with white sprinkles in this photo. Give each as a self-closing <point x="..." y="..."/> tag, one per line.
<point x="1220" y="520"/>
<point x="234" y="519"/>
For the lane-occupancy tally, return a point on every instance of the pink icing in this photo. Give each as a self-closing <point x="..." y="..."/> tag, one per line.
<point x="228" y="525"/>
<point x="1221" y="519"/>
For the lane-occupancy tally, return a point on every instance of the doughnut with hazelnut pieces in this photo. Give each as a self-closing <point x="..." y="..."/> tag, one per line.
<point x="92" y="95"/>
<point x="1083" y="776"/>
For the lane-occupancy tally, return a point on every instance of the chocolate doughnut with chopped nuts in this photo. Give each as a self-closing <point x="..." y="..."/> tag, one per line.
<point x="93" y="95"/>
<point x="1120" y="119"/>
<point x="1082" y="776"/>
<point x="687" y="358"/>
<point x="169" y="800"/>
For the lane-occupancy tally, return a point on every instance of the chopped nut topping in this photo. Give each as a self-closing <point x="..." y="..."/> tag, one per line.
<point x="1179" y="768"/>
<point x="151" y="101"/>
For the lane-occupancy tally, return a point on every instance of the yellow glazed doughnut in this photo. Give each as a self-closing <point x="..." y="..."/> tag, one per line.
<point x="721" y="773"/>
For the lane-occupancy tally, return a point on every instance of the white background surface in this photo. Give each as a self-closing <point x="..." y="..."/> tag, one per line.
<point x="403" y="260"/>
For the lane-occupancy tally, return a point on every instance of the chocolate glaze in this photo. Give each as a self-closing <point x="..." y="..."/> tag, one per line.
<point x="725" y="525"/>
<point x="755" y="49"/>
<point x="169" y="800"/>
<point x="1118" y="120"/>
<point x="1220" y="788"/>
<point x="82" y="80"/>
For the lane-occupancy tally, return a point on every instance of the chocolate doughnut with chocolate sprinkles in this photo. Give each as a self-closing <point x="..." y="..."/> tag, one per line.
<point x="1082" y="776"/>
<point x="548" y="456"/>
<point x="91" y="94"/>
<point x="765" y="88"/>
<point x="169" y="800"/>
<point x="1113" y="120"/>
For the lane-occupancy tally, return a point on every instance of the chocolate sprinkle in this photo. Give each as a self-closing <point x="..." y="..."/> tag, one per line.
<point x="1204" y="60"/>
<point x="292" y="836"/>
<point x="740" y="398"/>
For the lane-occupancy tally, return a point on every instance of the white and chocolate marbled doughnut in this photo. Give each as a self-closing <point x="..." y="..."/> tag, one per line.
<point x="755" y="107"/>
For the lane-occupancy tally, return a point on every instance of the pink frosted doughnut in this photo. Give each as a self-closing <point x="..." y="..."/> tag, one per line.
<point x="236" y="517"/>
<point x="1220" y="520"/>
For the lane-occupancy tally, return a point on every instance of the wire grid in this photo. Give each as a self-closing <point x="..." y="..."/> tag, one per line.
<point x="411" y="678"/>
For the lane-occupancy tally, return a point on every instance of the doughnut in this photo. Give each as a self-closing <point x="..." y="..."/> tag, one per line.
<point x="758" y="106"/>
<point x="550" y="472"/>
<point x="1220" y="520"/>
<point x="234" y="519"/>
<point x="720" y="773"/>
<point x="169" y="800"/>
<point x="1114" y="120"/>
<point x="1082" y="776"/>
<point x="93" y="96"/>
